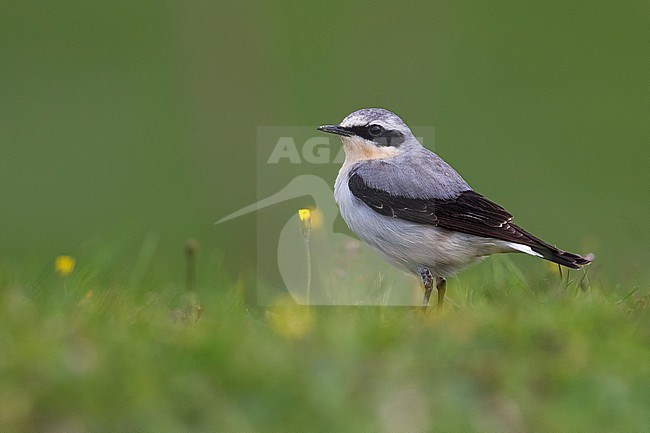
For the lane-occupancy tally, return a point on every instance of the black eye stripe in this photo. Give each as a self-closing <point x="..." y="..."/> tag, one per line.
<point x="361" y="131"/>
<point x="387" y="137"/>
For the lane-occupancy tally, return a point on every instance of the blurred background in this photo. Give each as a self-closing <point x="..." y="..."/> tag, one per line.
<point x="131" y="125"/>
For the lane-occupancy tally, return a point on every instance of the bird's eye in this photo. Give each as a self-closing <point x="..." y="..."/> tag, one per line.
<point x="375" y="130"/>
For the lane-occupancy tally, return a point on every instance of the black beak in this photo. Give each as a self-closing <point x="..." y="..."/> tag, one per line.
<point x="335" y="129"/>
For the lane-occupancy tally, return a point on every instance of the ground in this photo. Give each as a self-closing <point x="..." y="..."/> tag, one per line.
<point x="508" y="355"/>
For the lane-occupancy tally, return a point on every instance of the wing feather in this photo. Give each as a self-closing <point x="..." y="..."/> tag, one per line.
<point x="469" y="212"/>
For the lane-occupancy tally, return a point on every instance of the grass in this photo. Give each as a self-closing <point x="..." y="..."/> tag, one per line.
<point x="512" y="352"/>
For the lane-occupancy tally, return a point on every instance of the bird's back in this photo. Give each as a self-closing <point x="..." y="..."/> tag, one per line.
<point x="419" y="173"/>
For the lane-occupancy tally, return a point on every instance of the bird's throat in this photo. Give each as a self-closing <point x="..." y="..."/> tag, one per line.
<point x="357" y="149"/>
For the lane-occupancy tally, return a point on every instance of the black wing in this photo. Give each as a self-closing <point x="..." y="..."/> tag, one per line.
<point x="469" y="213"/>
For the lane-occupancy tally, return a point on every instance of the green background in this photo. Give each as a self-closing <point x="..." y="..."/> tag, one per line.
<point x="127" y="127"/>
<point x="134" y="123"/>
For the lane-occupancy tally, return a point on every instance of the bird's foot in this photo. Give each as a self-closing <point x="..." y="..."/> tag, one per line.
<point x="427" y="281"/>
<point x="441" y="286"/>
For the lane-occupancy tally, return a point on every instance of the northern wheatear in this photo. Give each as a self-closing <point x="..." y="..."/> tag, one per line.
<point x="415" y="210"/>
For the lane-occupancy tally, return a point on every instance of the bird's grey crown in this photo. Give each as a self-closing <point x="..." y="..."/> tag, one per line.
<point x="380" y="116"/>
<point x="394" y="132"/>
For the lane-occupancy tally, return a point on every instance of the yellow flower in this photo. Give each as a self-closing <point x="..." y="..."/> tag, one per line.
<point x="305" y="222"/>
<point x="64" y="265"/>
<point x="304" y="214"/>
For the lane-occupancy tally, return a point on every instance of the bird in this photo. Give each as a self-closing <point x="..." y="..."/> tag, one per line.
<point x="413" y="209"/>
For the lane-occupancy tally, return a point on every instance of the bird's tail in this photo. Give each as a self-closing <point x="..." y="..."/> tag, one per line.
<point x="553" y="254"/>
<point x="564" y="258"/>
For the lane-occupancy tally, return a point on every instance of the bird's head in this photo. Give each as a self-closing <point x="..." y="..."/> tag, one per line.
<point x="372" y="133"/>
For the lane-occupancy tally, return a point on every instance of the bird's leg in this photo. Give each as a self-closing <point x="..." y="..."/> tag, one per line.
<point x="427" y="281"/>
<point x="441" y="286"/>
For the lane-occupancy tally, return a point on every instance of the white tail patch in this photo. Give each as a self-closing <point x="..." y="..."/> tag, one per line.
<point x="524" y="249"/>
